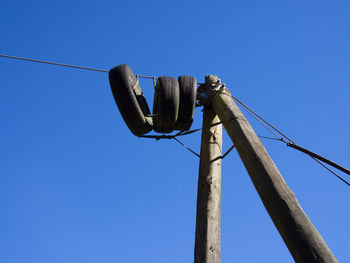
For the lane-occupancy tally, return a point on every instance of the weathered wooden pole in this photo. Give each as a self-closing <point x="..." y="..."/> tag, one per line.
<point x="208" y="231"/>
<point x="301" y="237"/>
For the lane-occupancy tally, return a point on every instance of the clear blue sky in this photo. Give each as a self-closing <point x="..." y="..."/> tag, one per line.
<point x="77" y="186"/>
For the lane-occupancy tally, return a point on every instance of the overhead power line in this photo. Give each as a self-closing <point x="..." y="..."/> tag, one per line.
<point x="66" y="65"/>
<point x="292" y="144"/>
<point x="53" y="63"/>
<point x="319" y="157"/>
<point x="256" y="116"/>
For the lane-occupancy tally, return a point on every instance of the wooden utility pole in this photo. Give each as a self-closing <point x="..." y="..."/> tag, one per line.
<point x="301" y="237"/>
<point x="208" y="231"/>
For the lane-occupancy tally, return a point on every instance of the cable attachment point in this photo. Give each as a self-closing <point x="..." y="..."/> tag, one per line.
<point x="154" y="82"/>
<point x="205" y="91"/>
<point x="214" y="83"/>
<point x="169" y="137"/>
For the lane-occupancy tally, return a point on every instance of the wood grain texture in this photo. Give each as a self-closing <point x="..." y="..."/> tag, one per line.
<point x="208" y="230"/>
<point x="299" y="234"/>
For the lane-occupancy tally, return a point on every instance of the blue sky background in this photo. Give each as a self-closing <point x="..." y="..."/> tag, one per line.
<point x="77" y="186"/>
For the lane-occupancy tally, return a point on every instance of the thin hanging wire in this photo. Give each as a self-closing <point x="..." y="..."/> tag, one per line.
<point x="266" y="122"/>
<point x="267" y="128"/>
<point x="146" y="77"/>
<point x="250" y="111"/>
<point x="187" y="147"/>
<point x="258" y="117"/>
<point x="330" y="170"/>
<point x="266" y="137"/>
<point x="53" y="63"/>
<point x="66" y="65"/>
